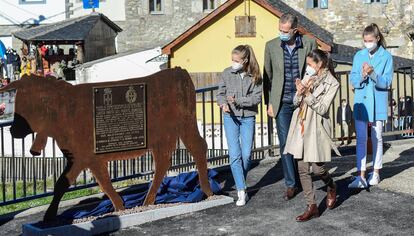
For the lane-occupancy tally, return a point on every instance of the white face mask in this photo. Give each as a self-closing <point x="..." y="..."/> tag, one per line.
<point x="237" y="66"/>
<point x="370" y="46"/>
<point x="310" y="70"/>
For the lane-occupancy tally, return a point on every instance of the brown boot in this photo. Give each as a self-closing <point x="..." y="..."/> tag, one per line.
<point x="310" y="213"/>
<point x="290" y="193"/>
<point x="331" y="197"/>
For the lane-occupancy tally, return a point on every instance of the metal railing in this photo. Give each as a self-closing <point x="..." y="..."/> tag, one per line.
<point x="24" y="177"/>
<point x="400" y="106"/>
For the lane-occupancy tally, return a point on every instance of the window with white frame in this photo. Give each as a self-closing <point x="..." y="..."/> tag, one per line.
<point x="32" y="1"/>
<point x="156" y="6"/>
<point x="82" y="0"/>
<point x="209" y="5"/>
<point x="375" y="1"/>
<point x="322" y="4"/>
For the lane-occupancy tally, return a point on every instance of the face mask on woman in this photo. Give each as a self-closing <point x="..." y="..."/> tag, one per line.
<point x="310" y="70"/>
<point x="370" y="45"/>
<point x="237" y="66"/>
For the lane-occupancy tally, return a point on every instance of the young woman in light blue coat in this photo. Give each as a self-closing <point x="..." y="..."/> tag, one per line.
<point x="371" y="77"/>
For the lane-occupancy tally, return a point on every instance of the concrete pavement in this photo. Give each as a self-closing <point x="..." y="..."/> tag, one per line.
<point x="386" y="209"/>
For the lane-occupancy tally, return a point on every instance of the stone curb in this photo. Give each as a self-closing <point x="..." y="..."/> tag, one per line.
<point x="114" y="223"/>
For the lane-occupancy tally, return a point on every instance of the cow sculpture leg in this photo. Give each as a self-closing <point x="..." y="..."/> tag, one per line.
<point x="38" y="144"/>
<point x="198" y="149"/>
<point x="66" y="179"/>
<point x="100" y="171"/>
<point x="162" y="164"/>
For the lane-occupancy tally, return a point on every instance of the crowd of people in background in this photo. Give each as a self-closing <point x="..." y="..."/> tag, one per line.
<point x="40" y="60"/>
<point x="400" y="115"/>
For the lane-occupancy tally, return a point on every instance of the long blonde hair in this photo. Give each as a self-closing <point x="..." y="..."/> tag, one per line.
<point x="250" y="66"/>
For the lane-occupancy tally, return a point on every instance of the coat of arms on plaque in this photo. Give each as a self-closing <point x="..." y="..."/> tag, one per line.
<point x="131" y="95"/>
<point x="107" y="97"/>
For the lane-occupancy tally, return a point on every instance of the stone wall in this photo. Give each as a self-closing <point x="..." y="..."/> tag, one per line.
<point x="347" y="19"/>
<point x="144" y="30"/>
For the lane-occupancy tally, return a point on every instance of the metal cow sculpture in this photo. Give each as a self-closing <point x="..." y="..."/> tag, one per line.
<point x="57" y="109"/>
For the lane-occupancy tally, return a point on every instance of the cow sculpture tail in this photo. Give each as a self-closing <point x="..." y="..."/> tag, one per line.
<point x="188" y="129"/>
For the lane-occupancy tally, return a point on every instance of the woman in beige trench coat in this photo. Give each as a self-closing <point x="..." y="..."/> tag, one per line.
<point x="308" y="139"/>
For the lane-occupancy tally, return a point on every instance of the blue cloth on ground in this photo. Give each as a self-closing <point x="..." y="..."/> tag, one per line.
<point x="184" y="187"/>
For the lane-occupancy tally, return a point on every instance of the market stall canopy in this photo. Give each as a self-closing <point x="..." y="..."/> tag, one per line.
<point x="68" y="31"/>
<point x="94" y="33"/>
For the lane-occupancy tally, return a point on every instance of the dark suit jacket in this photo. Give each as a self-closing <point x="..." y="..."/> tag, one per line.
<point x="348" y="114"/>
<point x="274" y="71"/>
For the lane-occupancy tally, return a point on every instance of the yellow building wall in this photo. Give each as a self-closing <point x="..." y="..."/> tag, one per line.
<point x="210" y="50"/>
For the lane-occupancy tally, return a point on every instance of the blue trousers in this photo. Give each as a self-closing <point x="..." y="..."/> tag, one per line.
<point x="239" y="135"/>
<point x="288" y="162"/>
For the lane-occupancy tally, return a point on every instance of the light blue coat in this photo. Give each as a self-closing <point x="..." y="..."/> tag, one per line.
<point x="371" y="94"/>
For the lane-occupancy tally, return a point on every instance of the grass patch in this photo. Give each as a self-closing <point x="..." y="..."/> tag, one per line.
<point x="46" y="200"/>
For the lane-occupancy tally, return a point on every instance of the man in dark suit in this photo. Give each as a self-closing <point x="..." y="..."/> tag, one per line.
<point x="284" y="63"/>
<point x="344" y="119"/>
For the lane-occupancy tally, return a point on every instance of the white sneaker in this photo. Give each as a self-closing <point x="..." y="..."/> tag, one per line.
<point x="374" y="178"/>
<point x="242" y="198"/>
<point x="358" y="183"/>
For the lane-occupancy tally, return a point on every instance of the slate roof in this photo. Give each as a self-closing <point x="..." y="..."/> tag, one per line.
<point x="76" y="29"/>
<point x="305" y="22"/>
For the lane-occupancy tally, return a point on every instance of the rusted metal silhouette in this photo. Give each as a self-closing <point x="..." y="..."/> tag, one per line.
<point x="65" y="112"/>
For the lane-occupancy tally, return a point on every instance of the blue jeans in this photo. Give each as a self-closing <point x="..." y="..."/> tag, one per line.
<point x="239" y="135"/>
<point x="288" y="162"/>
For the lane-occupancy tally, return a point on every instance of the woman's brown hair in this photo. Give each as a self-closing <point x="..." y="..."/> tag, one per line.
<point x="250" y="66"/>
<point x="374" y="30"/>
<point x="318" y="55"/>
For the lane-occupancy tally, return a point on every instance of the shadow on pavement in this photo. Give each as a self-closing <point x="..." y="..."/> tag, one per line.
<point x="389" y="170"/>
<point x="402" y="163"/>
<point x="272" y="176"/>
<point x="4" y="219"/>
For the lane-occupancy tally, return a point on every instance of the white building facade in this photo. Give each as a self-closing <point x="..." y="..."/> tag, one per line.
<point x="15" y="14"/>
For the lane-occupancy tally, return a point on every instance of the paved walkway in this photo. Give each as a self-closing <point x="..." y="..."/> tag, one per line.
<point x="383" y="210"/>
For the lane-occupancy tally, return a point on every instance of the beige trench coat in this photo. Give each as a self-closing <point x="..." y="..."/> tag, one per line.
<point x="315" y="145"/>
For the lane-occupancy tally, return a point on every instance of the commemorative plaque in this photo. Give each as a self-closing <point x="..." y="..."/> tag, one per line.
<point x="119" y="118"/>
